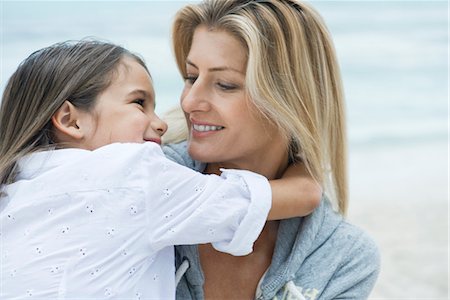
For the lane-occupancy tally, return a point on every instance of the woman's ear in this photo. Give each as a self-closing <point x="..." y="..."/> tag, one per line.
<point x="65" y="121"/>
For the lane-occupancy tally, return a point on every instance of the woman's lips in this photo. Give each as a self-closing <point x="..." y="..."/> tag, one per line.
<point x="203" y="129"/>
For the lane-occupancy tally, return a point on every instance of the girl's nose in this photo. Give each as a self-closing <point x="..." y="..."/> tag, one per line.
<point x="159" y="125"/>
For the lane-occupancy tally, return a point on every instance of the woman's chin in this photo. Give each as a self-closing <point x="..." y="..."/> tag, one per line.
<point x="202" y="153"/>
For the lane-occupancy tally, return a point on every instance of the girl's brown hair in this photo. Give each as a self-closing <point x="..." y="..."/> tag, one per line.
<point x="74" y="71"/>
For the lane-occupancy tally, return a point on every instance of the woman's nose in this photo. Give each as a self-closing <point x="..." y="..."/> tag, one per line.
<point x="195" y="98"/>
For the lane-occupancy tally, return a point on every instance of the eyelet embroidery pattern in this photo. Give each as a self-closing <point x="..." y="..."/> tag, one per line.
<point x="94" y="273"/>
<point x="82" y="252"/>
<point x="133" y="210"/>
<point x="167" y="192"/>
<point x="132" y="271"/>
<point x="111" y="232"/>
<point x="13" y="273"/>
<point x="68" y="229"/>
<point x="65" y="229"/>
<point x="90" y="208"/>
<point x="109" y="292"/>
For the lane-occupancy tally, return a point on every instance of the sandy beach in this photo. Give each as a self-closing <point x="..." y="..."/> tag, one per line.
<point x="400" y="196"/>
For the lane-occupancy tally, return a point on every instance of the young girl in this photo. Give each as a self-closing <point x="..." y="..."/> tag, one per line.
<point x="90" y="206"/>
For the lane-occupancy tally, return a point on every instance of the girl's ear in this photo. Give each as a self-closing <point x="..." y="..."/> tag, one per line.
<point x="65" y="121"/>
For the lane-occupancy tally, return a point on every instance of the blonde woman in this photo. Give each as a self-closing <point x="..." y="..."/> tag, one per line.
<point x="262" y="90"/>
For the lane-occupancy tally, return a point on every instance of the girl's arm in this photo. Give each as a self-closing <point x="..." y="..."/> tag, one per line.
<point x="296" y="194"/>
<point x="186" y="207"/>
<point x="228" y="212"/>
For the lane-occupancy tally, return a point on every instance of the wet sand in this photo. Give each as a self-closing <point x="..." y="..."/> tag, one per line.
<point x="400" y="196"/>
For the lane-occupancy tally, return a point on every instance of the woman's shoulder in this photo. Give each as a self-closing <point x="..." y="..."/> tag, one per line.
<point x="355" y="263"/>
<point x="178" y="152"/>
<point x="356" y="242"/>
<point x="348" y="239"/>
<point x="335" y="234"/>
<point x="331" y="257"/>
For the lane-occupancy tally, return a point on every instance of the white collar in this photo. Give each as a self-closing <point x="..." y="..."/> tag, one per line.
<point x="36" y="163"/>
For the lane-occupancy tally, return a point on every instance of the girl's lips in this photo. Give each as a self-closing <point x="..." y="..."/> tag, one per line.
<point x="154" y="140"/>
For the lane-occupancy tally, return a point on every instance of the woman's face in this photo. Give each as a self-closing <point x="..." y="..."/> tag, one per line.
<point x="224" y="125"/>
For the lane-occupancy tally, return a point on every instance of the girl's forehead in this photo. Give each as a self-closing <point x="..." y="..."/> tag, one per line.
<point x="131" y="77"/>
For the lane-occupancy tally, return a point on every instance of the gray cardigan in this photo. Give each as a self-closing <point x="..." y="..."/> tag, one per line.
<point x="320" y="256"/>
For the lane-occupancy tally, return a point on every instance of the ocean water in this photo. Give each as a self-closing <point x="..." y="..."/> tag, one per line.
<point x="394" y="62"/>
<point x="393" y="55"/>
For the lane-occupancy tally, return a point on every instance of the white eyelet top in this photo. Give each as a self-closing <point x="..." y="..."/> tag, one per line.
<point x="102" y="224"/>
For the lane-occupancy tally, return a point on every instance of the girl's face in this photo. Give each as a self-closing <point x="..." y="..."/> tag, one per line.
<point x="124" y="112"/>
<point x="224" y="125"/>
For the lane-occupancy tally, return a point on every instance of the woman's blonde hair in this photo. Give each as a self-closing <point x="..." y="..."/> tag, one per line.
<point x="292" y="76"/>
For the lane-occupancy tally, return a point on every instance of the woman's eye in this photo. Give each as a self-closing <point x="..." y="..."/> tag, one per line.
<point x="140" y="102"/>
<point x="226" y="86"/>
<point x="190" y="79"/>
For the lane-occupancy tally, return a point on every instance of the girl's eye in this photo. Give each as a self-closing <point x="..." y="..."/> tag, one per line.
<point x="139" y="102"/>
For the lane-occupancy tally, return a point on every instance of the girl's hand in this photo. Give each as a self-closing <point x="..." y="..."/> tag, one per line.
<point x="296" y="194"/>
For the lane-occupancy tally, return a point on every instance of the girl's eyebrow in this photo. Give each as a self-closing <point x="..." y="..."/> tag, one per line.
<point x="216" y="69"/>
<point x="140" y="93"/>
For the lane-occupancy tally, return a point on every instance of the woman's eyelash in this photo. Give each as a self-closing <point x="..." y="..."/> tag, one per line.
<point x="190" y="79"/>
<point x="140" y="102"/>
<point x="226" y="86"/>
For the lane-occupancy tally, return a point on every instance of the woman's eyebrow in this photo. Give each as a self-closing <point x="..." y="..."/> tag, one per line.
<point x="216" y="69"/>
<point x="188" y="62"/>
